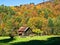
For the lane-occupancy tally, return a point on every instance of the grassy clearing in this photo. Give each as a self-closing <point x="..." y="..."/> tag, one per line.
<point x="20" y="39"/>
<point x="8" y="41"/>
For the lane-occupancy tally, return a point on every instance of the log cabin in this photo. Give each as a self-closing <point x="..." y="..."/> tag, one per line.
<point x="24" y="31"/>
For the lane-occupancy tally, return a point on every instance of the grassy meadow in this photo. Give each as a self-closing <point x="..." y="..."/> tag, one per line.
<point x="35" y="40"/>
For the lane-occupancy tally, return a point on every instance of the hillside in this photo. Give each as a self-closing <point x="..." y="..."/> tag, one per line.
<point x="41" y="18"/>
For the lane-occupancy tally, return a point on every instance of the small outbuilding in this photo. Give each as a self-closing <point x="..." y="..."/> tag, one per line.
<point x="24" y="31"/>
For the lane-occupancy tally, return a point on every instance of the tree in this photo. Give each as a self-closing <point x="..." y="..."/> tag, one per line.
<point x="39" y="11"/>
<point x="51" y="25"/>
<point x="35" y="23"/>
<point x="46" y="13"/>
<point x="57" y="25"/>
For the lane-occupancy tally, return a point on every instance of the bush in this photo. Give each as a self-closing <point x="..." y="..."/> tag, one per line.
<point x="37" y="31"/>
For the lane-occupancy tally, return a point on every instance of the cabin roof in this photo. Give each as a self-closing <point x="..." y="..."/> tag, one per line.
<point x="22" y="29"/>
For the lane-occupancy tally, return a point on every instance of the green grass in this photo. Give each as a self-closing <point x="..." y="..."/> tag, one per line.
<point x="18" y="39"/>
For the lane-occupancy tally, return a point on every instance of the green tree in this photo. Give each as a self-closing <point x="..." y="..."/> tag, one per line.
<point x="46" y="13"/>
<point x="35" y="23"/>
<point x="51" y="25"/>
<point x="57" y="25"/>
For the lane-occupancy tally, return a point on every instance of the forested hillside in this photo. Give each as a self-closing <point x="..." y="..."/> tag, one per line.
<point x="43" y="18"/>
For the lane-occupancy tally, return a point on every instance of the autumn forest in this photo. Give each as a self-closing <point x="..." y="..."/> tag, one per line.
<point x="43" y="18"/>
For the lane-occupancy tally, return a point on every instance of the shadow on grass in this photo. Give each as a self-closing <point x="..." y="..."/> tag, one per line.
<point x="50" y="41"/>
<point x="53" y="41"/>
<point x="6" y="40"/>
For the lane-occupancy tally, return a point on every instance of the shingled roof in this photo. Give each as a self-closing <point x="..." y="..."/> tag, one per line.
<point x="23" y="29"/>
